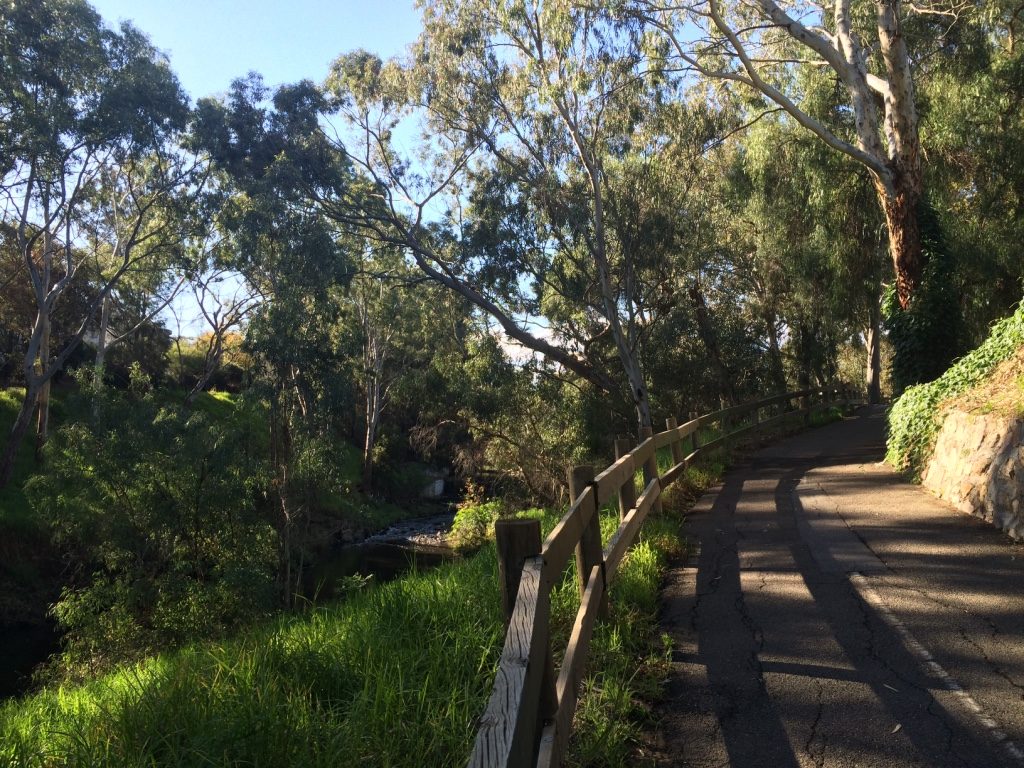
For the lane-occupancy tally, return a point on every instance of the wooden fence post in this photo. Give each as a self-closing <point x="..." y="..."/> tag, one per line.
<point x="588" y="550"/>
<point x="627" y="492"/>
<point x="516" y="540"/>
<point x="695" y="437"/>
<point x="651" y="465"/>
<point x="676" y="444"/>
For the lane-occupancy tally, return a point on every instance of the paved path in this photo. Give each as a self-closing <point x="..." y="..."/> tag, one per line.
<point x="833" y="615"/>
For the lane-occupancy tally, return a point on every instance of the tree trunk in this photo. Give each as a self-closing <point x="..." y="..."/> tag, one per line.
<point x="803" y="349"/>
<point x="708" y="336"/>
<point x="101" y="341"/>
<point x="778" y="371"/>
<point x="873" y="374"/>
<point x="373" y="412"/>
<point x="901" y="218"/>
<point x="623" y="343"/>
<point x="211" y="364"/>
<point x="43" y="403"/>
<point x="17" y="435"/>
<point x="906" y="185"/>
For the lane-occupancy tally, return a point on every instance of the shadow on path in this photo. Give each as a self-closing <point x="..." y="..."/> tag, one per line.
<point x="782" y="663"/>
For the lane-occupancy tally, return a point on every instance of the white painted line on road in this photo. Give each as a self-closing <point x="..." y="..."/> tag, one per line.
<point x="868" y="594"/>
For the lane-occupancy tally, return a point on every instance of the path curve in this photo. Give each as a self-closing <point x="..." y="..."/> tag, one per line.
<point x="831" y="614"/>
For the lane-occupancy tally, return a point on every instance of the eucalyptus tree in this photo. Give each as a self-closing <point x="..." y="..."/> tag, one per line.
<point x="225" y="302"/>
<point x="266" y="157"/>
<point x="522" y="106"/>
<point x="772" y="47"/>
<point x="808" y="243"/>
<point x="78" y="101"/>
<point x="391" y="327"/>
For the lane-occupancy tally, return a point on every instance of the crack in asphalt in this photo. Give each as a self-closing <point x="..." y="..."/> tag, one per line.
<point x="994" y="666"/>
<point x="732" y="593"/>
<point x="819" y="757"/>
<point x="965" y="632"/>
<point x="950" y="748"/>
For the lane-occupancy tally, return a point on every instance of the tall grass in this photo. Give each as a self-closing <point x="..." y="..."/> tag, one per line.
<point x="396" y="675"/>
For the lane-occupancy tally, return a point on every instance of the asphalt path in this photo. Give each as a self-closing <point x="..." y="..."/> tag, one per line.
<point x="831" y="614"/>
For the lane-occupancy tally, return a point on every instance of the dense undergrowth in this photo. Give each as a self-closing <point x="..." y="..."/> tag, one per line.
<point x="915" y="418"/>
<point x="395" y="675"/>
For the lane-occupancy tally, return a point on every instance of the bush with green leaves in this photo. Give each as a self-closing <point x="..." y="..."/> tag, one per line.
<point x="915" y="418"/>
<point x="157" y="508"/>
<point x="396" y="674"/>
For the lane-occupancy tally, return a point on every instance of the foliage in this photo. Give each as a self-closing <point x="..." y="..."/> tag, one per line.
<point x="928" y="335"/>
<point x="157" y="507"/>
<point x="395" y="675"/>
<point x="474" y="521"/>
<point x="915" y="418"/>
<point x="15" y="512"/>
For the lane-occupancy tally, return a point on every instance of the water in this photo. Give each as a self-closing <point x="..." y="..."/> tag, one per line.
<point x="416" y="543"/>
<point x="412" y="544"/>
<point x="24" y="646"/>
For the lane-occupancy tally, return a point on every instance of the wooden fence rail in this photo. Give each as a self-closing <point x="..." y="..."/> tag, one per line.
<point x="529" y="715"/>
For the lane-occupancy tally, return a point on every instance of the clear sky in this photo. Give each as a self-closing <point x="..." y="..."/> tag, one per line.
<point x="211" y="42"/>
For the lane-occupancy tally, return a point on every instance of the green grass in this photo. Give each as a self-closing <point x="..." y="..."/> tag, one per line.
<point x="396" y="675"/>
<point x="914" y="420"/>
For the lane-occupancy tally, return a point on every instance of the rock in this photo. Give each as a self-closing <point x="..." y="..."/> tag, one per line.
<point x="978" y="466"/>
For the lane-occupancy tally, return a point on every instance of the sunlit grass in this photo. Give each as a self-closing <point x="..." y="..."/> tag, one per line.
<point x="395" y="675"/>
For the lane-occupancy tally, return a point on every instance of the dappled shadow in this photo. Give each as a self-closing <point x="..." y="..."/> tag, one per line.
<point x="781" y="662"/>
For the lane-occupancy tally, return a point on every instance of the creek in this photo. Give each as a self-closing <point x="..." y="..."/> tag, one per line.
<point x="414" y="544"/>
<point x="417" y="543"/>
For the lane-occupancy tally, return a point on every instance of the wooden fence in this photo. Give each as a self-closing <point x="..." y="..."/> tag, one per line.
<point x="529" y="715"/>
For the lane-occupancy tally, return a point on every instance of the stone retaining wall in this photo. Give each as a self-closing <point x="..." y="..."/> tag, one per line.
<point x="978" y="466"/>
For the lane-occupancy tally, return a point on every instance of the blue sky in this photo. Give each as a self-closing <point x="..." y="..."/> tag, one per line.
<point x="211" y="42"/>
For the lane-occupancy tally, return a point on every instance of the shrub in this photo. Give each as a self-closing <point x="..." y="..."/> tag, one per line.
<point x="156" y="506"/>
<point x="914" y="420"/>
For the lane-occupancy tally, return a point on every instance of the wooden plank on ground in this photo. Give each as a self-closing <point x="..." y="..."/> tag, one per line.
<point x="508" y="728"/>
<point x="556" y="737"/>
<point x="562" y="540"/>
